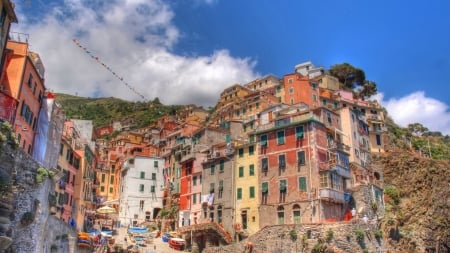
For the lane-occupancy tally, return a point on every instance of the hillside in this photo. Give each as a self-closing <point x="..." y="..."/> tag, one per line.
<point x="103" y="111"/>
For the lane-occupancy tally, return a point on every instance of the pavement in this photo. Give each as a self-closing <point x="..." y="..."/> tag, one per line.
<point x="157" y="245"/>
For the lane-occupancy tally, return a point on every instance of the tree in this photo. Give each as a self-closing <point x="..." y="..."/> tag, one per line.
<point x="417" y="129"/>
<point x="354" y="79"/>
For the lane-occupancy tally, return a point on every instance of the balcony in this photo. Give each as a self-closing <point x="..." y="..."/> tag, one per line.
<point x="377" y="129"/>
<point x="332" y="195"/>
<point x="341" y="171"/>
<point x="374" y="117"/>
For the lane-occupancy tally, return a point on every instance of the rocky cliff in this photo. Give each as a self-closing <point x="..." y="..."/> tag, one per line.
<point x="417" y="194"/>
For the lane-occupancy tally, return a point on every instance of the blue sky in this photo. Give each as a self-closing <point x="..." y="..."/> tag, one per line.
<point x="188" y="51"/>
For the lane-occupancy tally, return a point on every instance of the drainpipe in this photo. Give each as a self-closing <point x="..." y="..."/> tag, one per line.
<point x="310" y="172"/>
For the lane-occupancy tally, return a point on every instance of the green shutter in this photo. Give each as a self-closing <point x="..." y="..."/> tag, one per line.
<point x="212" y="169"/>
<point x="283" y="185"/>
<point x="239" y="193"/>
<point x="241" y="171"/>
<point x="301" y="157"/>
<point x="302" y="184"/>
<point x="252" y="192"/>
<point x="299" y="132"/>
<point x="265" y="187"/>
<point x="251" y="169"/>
<point x="211" y="187"/>
<point x="227" y="138"/>
<point x="241" y="152"/>
<point x="280" y="137"/>
<point x="264" y="164"/>
<point x="220" y="185"/>
<point x="264" y="140"/>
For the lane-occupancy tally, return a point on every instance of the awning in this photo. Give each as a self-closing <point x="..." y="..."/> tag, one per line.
<point x="110" y="202"/>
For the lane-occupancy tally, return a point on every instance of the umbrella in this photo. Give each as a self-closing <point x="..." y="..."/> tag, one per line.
<point x="106" y="210"/>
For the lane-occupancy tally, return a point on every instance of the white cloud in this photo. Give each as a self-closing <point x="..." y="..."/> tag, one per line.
<point x="418" y="108"/>
<point x="134" y="39"/>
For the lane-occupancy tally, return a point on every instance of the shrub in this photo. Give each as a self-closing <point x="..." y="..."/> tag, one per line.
<point x="293" y="235"/>
<point x="359" y="235"/>
<point x="27" y="218"/>
<point x="378" y="234"/>
<point x="330" y="235"/>
<point x="394" y="194"/>
<point x="41" y="174"/>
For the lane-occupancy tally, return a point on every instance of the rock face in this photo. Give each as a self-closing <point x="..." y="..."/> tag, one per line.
<point x="25" y="221"/>
<point x="417" y="203"/>
<point x="334" y="237"/>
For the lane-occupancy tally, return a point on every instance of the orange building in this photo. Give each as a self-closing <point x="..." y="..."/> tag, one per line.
<point x="24" y="81"/>
<point x="297" y="88"/>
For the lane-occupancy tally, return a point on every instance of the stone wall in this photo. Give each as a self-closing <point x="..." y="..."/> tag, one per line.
<point x="332" y="237"/>
<point x="25" y="221"/>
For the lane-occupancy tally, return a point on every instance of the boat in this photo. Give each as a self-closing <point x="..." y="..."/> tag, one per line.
<point x="177" y="243"/>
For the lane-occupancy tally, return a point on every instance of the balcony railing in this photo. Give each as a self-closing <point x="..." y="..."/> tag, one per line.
<point x="378" y="129"/>
<point x="332" y="195"/>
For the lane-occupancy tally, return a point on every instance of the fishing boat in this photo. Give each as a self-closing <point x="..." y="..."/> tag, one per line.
<point x="177" y="243"/>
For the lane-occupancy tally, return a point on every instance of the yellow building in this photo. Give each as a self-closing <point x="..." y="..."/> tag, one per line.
<point x="246" y="189"/>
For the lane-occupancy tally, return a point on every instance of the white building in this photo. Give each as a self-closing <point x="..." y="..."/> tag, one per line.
<point x="308" y="69"/>
<point x="141" y="192"/>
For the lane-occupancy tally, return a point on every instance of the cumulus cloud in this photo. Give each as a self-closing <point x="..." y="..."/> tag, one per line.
<point x="133" y="40"/>
<point x="418" y="108"/>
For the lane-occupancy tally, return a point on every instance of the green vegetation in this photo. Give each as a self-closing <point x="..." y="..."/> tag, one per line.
<point x="359" y="235"/>
<point x="330" y="235"/>
<point x="293" y="235"/>
<point x="393" y="194"/>
<point x="353" y="79"/>
<point x="27" y="218"/>
<point x="41" y="174"/>
<point x="103" y="111"/>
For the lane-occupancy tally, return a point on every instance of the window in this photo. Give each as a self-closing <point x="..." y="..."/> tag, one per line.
<point x="194" y="198"/>
<point x="239" y="193"/>
<point x="61" y="147"/>
<point x="314" y="97"/>
<point x="241" y="152"/>
<point x="257" y="105"/>
<point x="282" y="161"/>
<point x="111" y="190"/>
<point x="280" y="214"/>
<point x="265" y="164"/>
<point x="111" y="179"/>
<point x="102" y="189"/>
<point x="141" y="204"/>
<point x="301" y="157"/>
<point x="141" y="187"/>
<point x="251" y="150"/>
<point x="103" y="177"/>
<point x="241" y="171"/>
<point x="153" y="176"/>
<point x="378" y="137"/>
<point x="212" y="169"/>
<point x="142" y="175"/>
<point x="211" y="187"/>
<point x="155" y="164"/>
<point x="220" y="189"/>
<point x="221" y="166"/>
<point x="194" y="180"/>
<point x="324" y="180"/>
<point x="30" y="80"/>
<point x="152" y="188"/>
<point x="302" y="184"/>
<point x="278" y="89"/>
<point x="324" y="102"/>
<point x="265" y="192"/>
<point x="251" y="170"/>
<point x="296" y="214"/>
<point x="280" y="137"/>
<point x="291" y="90"/>
<point x="263" y="140"/>
<point x="252" y="192"/>
<point x="283" y="185"/>
<point x="299" y="134"/>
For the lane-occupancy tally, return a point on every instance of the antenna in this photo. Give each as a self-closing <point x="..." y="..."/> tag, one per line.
<point x="97" y="59"/>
